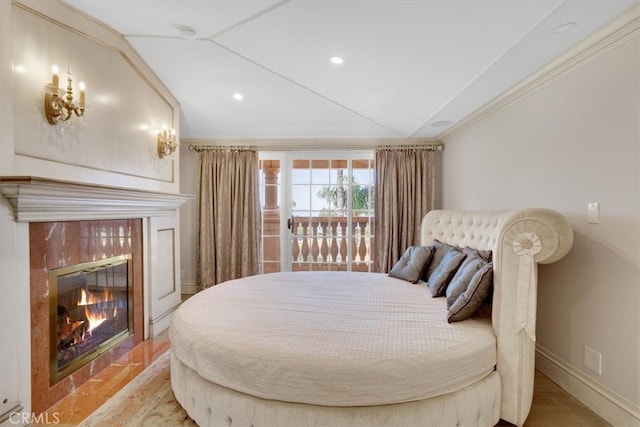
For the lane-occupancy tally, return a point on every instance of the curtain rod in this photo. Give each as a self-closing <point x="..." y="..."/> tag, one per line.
<point x="199" y="148"/>
<point x="430" y="147"/>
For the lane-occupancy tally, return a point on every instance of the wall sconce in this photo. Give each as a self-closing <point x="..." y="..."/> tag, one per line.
<point x="167" y="144"/>
<point x="57" y="107"/>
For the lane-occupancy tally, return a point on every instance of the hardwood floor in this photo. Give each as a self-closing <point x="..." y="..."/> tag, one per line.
<point x="552" y="407"/>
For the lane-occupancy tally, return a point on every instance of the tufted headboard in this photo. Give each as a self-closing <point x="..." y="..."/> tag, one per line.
<point x="519" y="239"/>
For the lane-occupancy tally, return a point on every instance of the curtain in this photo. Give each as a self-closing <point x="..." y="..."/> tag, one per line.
<point x="229" y="215"/>
<point x="405" y="192"/>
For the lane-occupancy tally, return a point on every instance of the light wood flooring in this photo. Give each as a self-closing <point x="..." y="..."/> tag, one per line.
<point x="552" y="407"/>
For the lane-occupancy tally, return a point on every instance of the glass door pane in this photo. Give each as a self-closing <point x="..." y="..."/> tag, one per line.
<point x="361" y="188"/>
<point x="332" y="211"/>
<point x="325" y="219"/>
<point x="270" y="196"/>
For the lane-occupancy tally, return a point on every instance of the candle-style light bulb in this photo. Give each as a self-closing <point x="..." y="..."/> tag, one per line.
<point x="81" y="86"/>
<point x="54" y="75"/>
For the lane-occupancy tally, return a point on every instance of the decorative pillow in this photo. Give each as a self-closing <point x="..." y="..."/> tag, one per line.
<point x="440" y="250"/>
<point x="472" y="299"/>
<point x="485" y="255"/>
<point x="441" y="276"/>
<point x="412" y="263"/>
<point x="460" y="281"/>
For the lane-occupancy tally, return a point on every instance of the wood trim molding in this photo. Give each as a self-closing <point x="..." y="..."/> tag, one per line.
<point x="40" y="199"/>
<point x="612" y="407"/>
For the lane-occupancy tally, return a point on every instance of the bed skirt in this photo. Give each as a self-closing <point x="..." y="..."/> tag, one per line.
<point x="211" y="405"/>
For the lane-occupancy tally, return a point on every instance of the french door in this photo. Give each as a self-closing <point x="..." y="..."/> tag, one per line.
<point x="317" y="211"/>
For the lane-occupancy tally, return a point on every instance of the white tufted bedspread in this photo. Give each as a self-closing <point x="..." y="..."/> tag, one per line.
<point x="330" y="339"/>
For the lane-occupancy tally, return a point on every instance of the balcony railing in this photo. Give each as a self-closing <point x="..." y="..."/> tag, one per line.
<point x="320" y="243"/>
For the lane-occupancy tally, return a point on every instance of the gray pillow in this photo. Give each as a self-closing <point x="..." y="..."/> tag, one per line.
<point x="486" y="255"/>
<point x="460" y="281"/>
<point x="412" y="263"/>
<point x="472" y="299"/>
<point x="439" y="279"/>
<point x="440" y="250"/>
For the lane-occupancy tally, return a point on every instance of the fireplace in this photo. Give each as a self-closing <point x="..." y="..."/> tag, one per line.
<point x="73" y="265"/>
<point x="89" y="312"/>
<point x="60" y="224"/>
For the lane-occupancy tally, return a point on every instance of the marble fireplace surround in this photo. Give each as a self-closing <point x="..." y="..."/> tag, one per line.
<point x="68" y="223"/>
<point x="56" y="244"/>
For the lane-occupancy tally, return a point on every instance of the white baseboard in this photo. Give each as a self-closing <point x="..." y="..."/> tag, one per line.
<point x="161" y="322"/>
<point x="613" y="408"/>
<point x="188" y="288"/>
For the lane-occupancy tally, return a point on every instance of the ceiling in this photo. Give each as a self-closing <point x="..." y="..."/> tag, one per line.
<point x="412" y="68"/>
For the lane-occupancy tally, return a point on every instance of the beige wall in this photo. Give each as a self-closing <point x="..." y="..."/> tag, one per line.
<point x="574" y="140"/>
<point x="116" y="146"/>
<point x="126" y="104"/>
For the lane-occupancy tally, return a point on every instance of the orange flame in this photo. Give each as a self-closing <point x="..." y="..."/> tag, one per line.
<point x="87" y="298"/>
<point x="94" y="319"/>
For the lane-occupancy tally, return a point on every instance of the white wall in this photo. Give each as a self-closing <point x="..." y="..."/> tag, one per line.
<point x="574" y="140"/>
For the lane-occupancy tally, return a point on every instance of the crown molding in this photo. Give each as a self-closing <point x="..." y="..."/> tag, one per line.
<point x="39" y="199"/>
<point x="612" y="35"/>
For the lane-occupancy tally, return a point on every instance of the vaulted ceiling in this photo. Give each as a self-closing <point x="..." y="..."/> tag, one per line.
<point x="410" y="68"/>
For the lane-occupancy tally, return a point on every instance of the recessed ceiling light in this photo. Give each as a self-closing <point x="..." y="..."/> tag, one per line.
<point x="441" y="124"/>
<point x="188" y="33"/>
<point x="565" y="27"/>
<point x="336" y="60"/>
<point x="238" y="96"/>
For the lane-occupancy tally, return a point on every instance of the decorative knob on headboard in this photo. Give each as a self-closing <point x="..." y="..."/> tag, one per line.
<point x="527" y="244"/>
<point x="542" y="233"/>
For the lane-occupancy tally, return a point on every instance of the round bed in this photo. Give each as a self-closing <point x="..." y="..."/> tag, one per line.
<point x="341" y="348"/>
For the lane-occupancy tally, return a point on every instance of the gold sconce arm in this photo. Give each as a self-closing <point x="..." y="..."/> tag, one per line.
<point x="59" y="108"/>
<point x="167" y="143"/>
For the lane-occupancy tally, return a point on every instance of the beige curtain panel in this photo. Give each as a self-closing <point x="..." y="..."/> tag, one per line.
<point x="405" y="192"/>
<point x="229" y="215"/>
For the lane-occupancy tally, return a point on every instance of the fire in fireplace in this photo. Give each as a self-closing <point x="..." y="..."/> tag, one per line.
<point x="89" y="312"/>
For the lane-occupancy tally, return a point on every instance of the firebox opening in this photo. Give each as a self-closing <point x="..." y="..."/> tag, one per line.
<point x="90" y="312"/>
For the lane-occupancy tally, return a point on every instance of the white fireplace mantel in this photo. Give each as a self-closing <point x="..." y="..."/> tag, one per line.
<point x="36" y="199"/>
<point x="40" y="199"/>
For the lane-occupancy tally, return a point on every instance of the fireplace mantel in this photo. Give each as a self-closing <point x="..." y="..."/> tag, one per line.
<point x="40" y="199"/>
